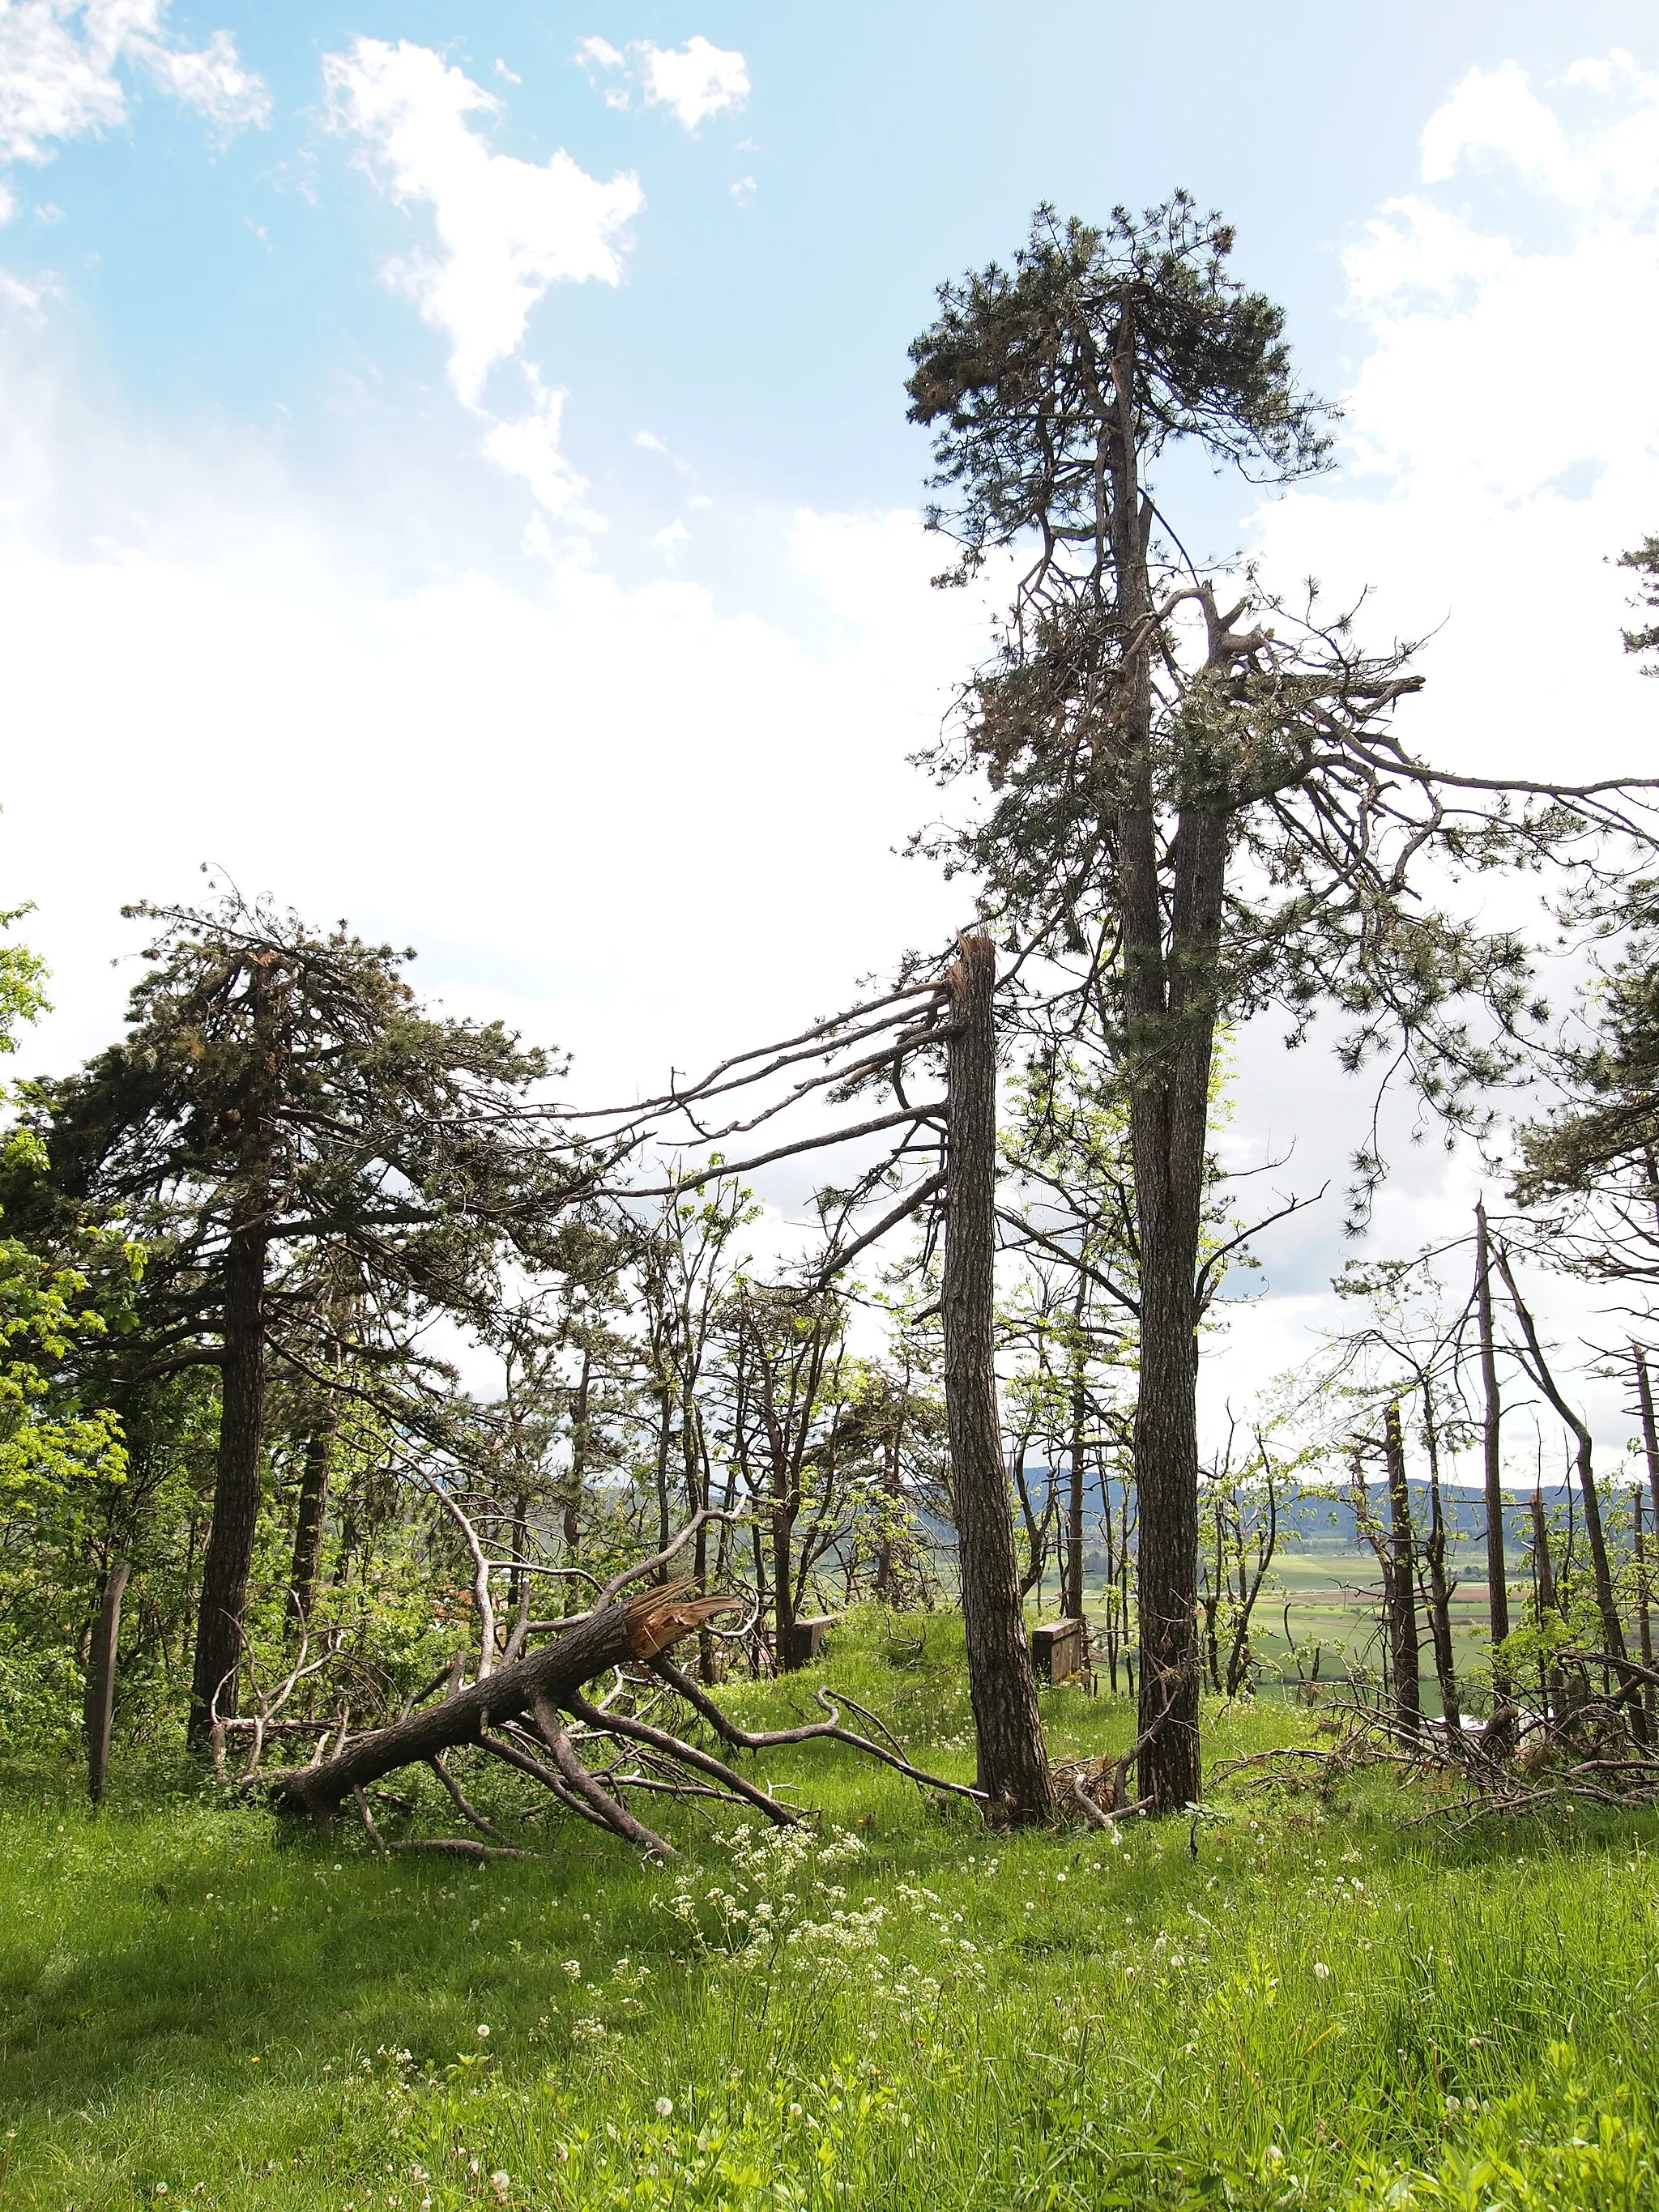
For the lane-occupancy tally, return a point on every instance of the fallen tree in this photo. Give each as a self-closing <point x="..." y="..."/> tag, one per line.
<point x="535" y="1717"/>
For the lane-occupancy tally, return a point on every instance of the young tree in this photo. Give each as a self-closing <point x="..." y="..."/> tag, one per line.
<point x="1197" y="809"/>
<point x="280" y="1095"/>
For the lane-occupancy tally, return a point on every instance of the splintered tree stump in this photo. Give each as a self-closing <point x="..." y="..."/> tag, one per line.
<point x="548" y="1680"/>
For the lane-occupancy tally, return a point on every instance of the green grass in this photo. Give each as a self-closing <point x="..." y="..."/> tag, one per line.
<point x="201" y="2005"/>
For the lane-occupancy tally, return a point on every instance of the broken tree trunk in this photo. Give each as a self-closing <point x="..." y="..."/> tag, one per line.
<point x="550" y="1678"/>
<point x="1014" y="1765"/>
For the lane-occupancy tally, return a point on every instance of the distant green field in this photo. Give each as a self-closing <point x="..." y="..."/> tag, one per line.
<point x="1332" y="1591"/>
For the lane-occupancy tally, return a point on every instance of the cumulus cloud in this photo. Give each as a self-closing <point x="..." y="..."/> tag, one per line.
<point x="1502" y="448"/>
<point x="506" y="230"/>
<point x="1503" y="425"/>
<point x="1496" y="115"/>
<point x="529" y="449"/>
<point x="692" y="82"/>
<point x="61" y="64"/>
<point x="617" y="817"/>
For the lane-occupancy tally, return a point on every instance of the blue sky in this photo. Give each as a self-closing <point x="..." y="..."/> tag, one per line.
<point x="453" y="469"/>
<point x="208" y="283"/>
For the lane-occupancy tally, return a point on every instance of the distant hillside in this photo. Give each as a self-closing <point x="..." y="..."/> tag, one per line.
<point x="1312" y="1518"/>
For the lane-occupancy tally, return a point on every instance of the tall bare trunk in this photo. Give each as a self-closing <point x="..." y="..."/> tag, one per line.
<point x="101" y="1678"/>
<point x="575" y="1482"/>
<point x="1014" y="1767"/>
<point x="236" y="1479"/>
<point x="1071" y="1603"/>
<point x="1606" y="1603"/>
<point x="1649" y="1433"/>
<point x="1498" y="1595"/>
<point x="1440" y="1586"/>
<point x="1169" y="1008"/>
<point x="1644" y="1617"/>
<point x="1401" y="1580"/>
<point x="308" y="1521"/>
<point x="1545" y="1600"/>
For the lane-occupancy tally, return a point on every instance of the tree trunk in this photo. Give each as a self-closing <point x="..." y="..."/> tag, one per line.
<point x="891" y="1496"/>
<point x="1643" y="1618"/>
<point x="1649" y="1433"/>
<point x="1169" y="1007"/>
<point x="1402" y="1581"/>
<point x="1498" y="1595"/>
<point x="236" y="1483"/>
<point x="1550" y="1680"/>
<point x="1606" y="1603"/>
<point x="576" y="1481"/>
<point x="1440" y="1586"/>
<point x="1072" y="1597"/>
<point x="783" y="1583"/>
<point x="1267" y="1543"/>
<point x="1013" y="1767"/>
<point x="101" y="1678"/>
<point x="308" y="1523"/>
<point x="639" y="1629"/>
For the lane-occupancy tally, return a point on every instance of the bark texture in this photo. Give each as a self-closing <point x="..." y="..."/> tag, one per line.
<point x="546" y="1682"/>
<point x="308" y="1523"/>
<point x="1402" y="1581"/>
<point x="101" y="1678"/>
<point x="1013" y="1767"/>
<point x="1169" y="1004"/>
<point x="236" y="1484"/>
<point x="1497" y="1593"/>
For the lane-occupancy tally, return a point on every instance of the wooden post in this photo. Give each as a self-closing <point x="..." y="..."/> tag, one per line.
<point x="100" y="1679"/>
<point x="1013" y="1767"/>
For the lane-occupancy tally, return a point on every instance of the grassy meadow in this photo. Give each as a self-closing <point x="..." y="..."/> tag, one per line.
<point x="1294" y="2000"/>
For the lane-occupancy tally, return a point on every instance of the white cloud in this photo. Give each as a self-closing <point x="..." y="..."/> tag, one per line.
<point x="1502" y="437"/>
<point x="211" y="79"/>
<point x="507" y="230"/>
<point x="693" y="82"/>
<point x="1495" y="116"/>
<point x="632" y="823"/>
<point x="58" y="72"/>
<point x="530" y="448"/>
<point x="24" y="299"/>
<point x="670" y="540"/>
<point x="1506" y="421"/>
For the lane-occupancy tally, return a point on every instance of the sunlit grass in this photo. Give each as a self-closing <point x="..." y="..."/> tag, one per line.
<point x="1278" y="2004"/>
